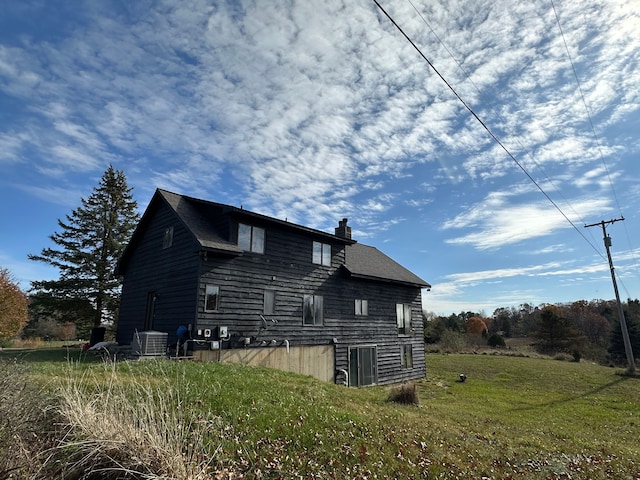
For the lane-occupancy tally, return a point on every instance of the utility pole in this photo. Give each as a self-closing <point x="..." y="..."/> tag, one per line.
<point x="631" y="363"/>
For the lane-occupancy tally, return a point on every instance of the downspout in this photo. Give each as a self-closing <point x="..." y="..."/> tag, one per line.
<point x="346" y="376"/>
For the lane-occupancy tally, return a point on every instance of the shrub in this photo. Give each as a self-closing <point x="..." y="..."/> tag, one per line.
<point x="452" y="341"/>
<point x="496" y="341"/>
<point x="406" y="394"/>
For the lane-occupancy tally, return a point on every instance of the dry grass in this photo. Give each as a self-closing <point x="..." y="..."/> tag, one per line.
<point x="27" y="423"/>
<point x="514" y="417"/>
<point x="405" y="394"/>
<point x="99" y="423"/>
<point x="133" y="429"/>
<point x="34" y="342"/>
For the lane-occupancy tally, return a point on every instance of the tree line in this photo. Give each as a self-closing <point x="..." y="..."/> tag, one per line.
<point x="580" y="328"/>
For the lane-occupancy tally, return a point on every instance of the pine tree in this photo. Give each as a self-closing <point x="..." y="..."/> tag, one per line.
<point x="91" y="241"/>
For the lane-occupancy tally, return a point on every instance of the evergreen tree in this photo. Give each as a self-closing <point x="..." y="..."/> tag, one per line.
<point x="91" y="241"/>
<point x="556" y="332"/>
<point x="632" y="319"/>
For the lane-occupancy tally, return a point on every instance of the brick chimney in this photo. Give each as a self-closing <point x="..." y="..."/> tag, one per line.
<point x="342" y="230"/>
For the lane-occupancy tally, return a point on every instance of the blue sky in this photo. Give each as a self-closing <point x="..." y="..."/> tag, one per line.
<point x="315" y="111"/>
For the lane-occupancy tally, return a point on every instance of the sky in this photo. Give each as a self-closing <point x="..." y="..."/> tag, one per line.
<point x="471" y="143"/>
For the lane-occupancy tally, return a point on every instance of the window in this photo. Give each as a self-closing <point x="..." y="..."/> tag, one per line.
<point x="322" y="254"/>
<point x="251" y="238"/>
<point x="403" y="317"/>
<point x="362" y="307"/>
<point x="363" y="366"/>
<point x="211" y="298"/>
<point x="312" y="310"/>
<point x="406" y="356"/>
<point x="269" y="302"/>
<point x="167" y="240"/>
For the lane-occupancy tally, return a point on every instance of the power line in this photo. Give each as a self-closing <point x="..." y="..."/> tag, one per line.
<point x="484" y="125"/>
<point x="586" y="108"/>
<point x="595" y="136"/>
<point x="500" y="117"/>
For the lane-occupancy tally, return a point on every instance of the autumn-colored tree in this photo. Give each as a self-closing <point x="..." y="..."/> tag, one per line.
<point x="13" y="306"/>
<point x="476" y="325"/>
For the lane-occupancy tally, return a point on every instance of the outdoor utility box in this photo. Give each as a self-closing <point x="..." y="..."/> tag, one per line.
<point x="223" y="333"/>
<point x="149" y="344"/>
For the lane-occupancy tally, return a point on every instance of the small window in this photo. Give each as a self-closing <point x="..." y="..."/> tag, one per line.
<point x="362" y="307"/>
<point x="212" y="298"/>
<point x="251" y="238"/>
<point x="167" y="240"/>
<point x="269" y="302"/>
<point x="406" y="356"/>
<point x="403" y="318"/>
<point x="322" y="254"/>
<point x="312" y="310"/>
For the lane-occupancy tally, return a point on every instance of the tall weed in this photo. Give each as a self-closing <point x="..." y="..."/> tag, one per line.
<point x="28" y="427"/>
<point x="130" y="426"/>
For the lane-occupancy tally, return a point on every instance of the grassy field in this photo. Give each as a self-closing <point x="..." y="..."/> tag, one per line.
<point x="514" y="417"/>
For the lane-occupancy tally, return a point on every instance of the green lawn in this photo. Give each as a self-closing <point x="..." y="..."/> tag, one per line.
<point x="529" y="418"/>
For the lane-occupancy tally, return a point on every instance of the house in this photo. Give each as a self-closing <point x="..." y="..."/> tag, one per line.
<point x="249" y="288"/>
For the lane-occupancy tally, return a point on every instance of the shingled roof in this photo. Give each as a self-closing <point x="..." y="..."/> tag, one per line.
<point x="192" y="212"/>
<point x="363" y="261"/>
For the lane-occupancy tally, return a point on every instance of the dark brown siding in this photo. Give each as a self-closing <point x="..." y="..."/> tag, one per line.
<point x="179" y="274"/>
<point x="171" y="273"/>
<point x="286" y="267"/>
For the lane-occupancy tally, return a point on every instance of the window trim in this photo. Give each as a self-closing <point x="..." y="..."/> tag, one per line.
<point x="406" y="356"/>
<point x="404" y="312"/>
<point x="316" y="303"/>
<point x="359" y="365"/>
<point x="321" y="254"/>
<point x="269" y="300"/>
<point x="256" y="243"/>
<point x="167" y="239"/>
<point x="207" y="287"/>
<point x="361" y="307"/>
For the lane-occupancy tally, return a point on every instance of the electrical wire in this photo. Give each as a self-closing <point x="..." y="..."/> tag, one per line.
<point x="586" y="108"/>
<point x="500" y="117"/>
<point x="485" y="126"/>
<point x="595" y="136"/>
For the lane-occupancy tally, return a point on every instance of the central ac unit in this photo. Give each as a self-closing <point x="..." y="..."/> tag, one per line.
<point x="149" y="344"/>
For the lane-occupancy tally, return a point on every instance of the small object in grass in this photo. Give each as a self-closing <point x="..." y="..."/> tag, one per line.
<point x="463" y="377"/>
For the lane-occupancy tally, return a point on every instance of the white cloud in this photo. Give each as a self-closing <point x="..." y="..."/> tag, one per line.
<point x="504" y="218"/>
<point x="315" y="111"/>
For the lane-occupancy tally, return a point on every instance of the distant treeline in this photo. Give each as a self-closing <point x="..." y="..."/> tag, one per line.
<point x="582" y="328"/>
